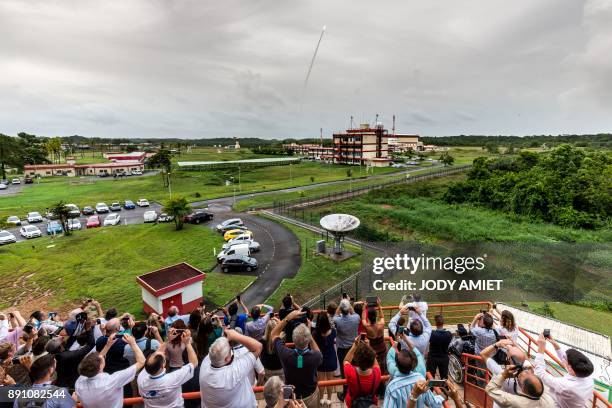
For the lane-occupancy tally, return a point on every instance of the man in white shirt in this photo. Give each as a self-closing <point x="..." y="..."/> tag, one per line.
<point x="575" y="388"/>
<point x="224" y="381"/>
<point x="257" y="375"/>
<point x="160" y="389"/>
<point x="95" y="388"/>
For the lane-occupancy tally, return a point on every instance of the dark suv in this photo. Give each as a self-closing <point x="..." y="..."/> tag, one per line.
<point x="198" y="216"/>
<point x="239" y="263"/>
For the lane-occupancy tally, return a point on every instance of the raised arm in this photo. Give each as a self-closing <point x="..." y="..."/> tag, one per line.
<point x="138" y="354"/>
<point x="250" y="343"/>
<point x="490" y="351"/>
<point x="381" y="319"/>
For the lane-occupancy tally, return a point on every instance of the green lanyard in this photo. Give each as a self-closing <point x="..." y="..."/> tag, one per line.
<point x="300" y="358"/>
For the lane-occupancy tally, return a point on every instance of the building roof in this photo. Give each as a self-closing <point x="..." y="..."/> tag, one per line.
<point x="82" y="166"/>
<point x="119" y="154"/>
<point x="170" y="278"/>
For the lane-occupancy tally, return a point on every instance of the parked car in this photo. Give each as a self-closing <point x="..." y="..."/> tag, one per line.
<point x="112" y="219"/>
<point x="30" y="231"/>
<point x="54" y="228"/>
<point x="102" y="208"/>
<point x="240" y="249"/>
<point x="115" y="206"/>
<point x="34" y="216"/>
<point x="136" y="173"/>
<point x="253" y="245"/>
<point x="239" y="263"/>
<point x="28" y="180"/>
<point x="93" y="221"/>
<point x="150" y="216"/>
<point x="74" y="224"/>
<point x="235" y="232"/>
<point x="74" y="210"/>
<point x="163" y="217"/>
<point x="3" y="186"/>
<point x="88" y="210"/>
<point x="198" y="216"/>
<point x="228" y="224"/>
<point x="413" y="163"/>
<point x="102" y="175"/>
<point x="4" y="181"/>
<point x="13" y="219"/>
<point x="6" y="238"/>
<point x="143" y="202"/>
<point x="15" y="181"/>
<point x="129" y="205"/>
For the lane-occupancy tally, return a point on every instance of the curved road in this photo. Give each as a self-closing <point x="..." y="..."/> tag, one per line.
<point x="281" y="255"/>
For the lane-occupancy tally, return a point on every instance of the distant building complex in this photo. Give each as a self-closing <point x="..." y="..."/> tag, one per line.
<point x="366" y="145"/>
<point x="120" y="163"/>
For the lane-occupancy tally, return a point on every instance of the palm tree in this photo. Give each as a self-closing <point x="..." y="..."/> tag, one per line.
<point x="62" y="213"/>
<point x="177" y="207"/>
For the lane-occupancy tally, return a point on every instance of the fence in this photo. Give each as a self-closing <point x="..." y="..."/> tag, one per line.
<point x="293" y="207"/>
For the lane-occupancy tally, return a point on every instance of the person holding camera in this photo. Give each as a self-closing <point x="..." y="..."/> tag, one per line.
<point x="260" y="314"/>
<point x="42" y="372"/>
<point x="175" y="347"/>
<point x="173" y="316"/>
<point x="301" y="362"/>
<point x="575" y="388"/>
<point x="162" y="389"/>
<point x="147" y="338"/>
<point x="223" y="377"/>
<point x="14" y="367"/>
<point x="437" y="356"/>
<point x="235" y="319"/>
<point x="403" y="363"/>
<point x="373" y="321"/>
<point x="482" y="329"/>
<point x="95" y="387"/>
<point x="363" y="378"/>
<point x="423" y="386"/>
<point x="114" y="356"/>
<point x="279" y="395"/>
<point x="527" y="392"/>
<point x="11" y="327"/>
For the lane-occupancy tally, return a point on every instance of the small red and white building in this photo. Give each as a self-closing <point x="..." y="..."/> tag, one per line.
<point x="178" y="285"/>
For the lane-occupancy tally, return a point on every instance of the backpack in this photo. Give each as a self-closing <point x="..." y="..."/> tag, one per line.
<point x="147" y="350"/>
<point x="364" y="401"/>
<point x="500" y="357"/>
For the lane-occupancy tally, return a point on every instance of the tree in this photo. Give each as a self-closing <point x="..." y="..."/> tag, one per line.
<point x="177" y="207"/>
<point x="8" y="148"/>
<point x="447" y="159"/>
<point x="162" y="159"/>
<point x="62" y="213"/>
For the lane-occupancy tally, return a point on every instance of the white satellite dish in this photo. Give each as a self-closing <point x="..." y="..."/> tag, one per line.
<point x="339" y="225"/>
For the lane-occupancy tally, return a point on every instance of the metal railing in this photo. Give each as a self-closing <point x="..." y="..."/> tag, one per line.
<point x="294" y="206"/>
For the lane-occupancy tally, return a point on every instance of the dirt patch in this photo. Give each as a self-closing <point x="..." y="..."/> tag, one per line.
<point x="385" y="221"/>
<point x="387" y="206"/>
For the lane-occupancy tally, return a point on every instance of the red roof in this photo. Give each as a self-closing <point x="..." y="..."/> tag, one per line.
<point x="170" y="278"/>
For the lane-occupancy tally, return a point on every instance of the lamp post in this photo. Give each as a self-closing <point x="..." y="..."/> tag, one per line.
<point x="169" y="186"/>
<point x="234" y="187"/>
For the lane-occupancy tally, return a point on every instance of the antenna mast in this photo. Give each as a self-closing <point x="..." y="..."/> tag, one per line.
<point x="393" y="125"/>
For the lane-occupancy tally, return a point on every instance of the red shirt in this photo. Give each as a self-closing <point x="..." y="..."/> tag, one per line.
<point x="365" y="383"/>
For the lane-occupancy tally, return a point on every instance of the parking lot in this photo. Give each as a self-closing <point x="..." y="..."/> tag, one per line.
<point x="128" y="217"/>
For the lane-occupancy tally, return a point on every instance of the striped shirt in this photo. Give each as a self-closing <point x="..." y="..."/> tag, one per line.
<point x="398" y="392"/>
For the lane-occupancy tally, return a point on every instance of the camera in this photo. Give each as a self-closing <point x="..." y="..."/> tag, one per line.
<point x="371" y="301"/>
<point x="288" y="392"/>
<point x="81" y="317"/>
<point x="400" y="330"/>
<point x="436" y="383"/>
<point x="51" y="315"/>
<point x="363" y="337"/>
<point x="517" y="364"/>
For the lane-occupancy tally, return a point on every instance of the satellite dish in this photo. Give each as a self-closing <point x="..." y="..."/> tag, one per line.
<point x="339" y="225"/>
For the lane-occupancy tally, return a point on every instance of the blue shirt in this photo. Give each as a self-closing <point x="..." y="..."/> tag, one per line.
<point x="63" y="399"/>
<point x="240" y="321"/>
<point x="392" y="366"/>
<point x="171" y="319"/>
<point x="399" y="388"/>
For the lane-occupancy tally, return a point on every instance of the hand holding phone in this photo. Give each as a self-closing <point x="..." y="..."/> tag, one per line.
<point x="436" y="383"/>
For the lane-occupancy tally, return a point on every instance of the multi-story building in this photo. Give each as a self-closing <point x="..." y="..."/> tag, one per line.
<point x="402" y="143"/>
<point x="364" y="146"/>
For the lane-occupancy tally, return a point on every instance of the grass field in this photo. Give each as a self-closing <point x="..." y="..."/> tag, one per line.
<point x="194" y="185"/>
<point x="317" y="272"/>
<point x="103" y="264"/>
<point x="414" y="212"/>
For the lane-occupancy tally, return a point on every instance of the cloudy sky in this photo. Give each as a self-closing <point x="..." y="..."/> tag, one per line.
<point x="196" y="69"/>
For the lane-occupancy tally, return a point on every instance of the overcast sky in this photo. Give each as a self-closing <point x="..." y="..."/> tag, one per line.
<point x="194" y="69"/>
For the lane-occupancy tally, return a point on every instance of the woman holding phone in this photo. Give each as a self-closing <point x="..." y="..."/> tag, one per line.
<point x="373" y="321"/>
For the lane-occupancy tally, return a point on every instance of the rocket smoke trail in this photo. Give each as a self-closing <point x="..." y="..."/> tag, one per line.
<point x="313" y="58"/>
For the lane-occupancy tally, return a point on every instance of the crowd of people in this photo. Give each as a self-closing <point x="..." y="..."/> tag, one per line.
<point x="98" y="357"/>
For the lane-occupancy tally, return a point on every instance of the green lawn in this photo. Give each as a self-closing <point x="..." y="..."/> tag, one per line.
<point x="194" y="185"/>
<point x="103" y="263"/>
<point x="317" y="272"/>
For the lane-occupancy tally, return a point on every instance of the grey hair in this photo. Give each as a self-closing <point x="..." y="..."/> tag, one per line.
<point x="219" y="351"/>
<point x="272" y="390"/>
<point x="345" y="306"/>
<point x="301" y="336"/>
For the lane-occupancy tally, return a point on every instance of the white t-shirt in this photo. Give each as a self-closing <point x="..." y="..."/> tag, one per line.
<point x="104" y="390"/>
<point x="259" y="368"/>
<point x="228" y="386"/>
<point x="164" y="390"/>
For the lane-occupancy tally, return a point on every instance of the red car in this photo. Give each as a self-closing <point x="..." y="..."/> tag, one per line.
<point x="93" y="221"/>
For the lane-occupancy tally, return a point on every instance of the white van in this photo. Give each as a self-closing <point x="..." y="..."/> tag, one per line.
<point x="239" y="249"/>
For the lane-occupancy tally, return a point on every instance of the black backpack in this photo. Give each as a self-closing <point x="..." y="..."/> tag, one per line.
<point x="365" y="401"/>
<point x="500" y="357"/>
<point x="147" y="350"/>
